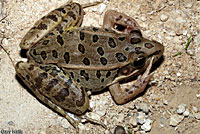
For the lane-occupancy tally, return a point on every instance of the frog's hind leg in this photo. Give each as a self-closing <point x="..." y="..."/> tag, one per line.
<point x="57" y="90"/>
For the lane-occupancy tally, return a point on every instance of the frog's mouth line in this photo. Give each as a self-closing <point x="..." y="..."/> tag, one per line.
<point x="141" y="61"/>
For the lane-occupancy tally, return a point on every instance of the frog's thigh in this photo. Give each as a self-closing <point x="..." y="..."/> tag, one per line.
<point x="54" y="88"/>
<point x="119" y="22"/>
<point x="61" y="19"/>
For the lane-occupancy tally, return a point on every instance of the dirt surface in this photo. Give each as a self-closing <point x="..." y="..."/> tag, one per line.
<point x="171" y="103"/>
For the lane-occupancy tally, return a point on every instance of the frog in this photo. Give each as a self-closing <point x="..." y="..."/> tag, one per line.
<point x="66" y="61"/>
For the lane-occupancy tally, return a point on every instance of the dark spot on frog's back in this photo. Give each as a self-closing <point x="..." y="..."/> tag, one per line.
<point x="66" y="57"/>
<point x="54" y="54"/>
<point x="100" y="51"/>
<point x="98" y="74"/>
<point x="82" y="36"/>
<point x="86" y="61"/>
<point x="60" y="40"/>
<point x="81" y="48"/>
<point x="103" y="61"/>
<point x="95" y="38"/>
<point x="44" y="55"/>
<point x="120" y="57"/>
<point x="42" y="26"/>
<point x="108" y="74"/>
<point x="53" y="17"/>
<point x="111" y="43"/>
<point x="62" y="94"/>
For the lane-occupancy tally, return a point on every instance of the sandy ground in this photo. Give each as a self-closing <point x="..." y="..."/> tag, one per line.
<point x="175" y="81"/>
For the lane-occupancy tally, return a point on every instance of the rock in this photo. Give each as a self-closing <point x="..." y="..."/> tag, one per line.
<point x="102" y="8"/>
<point x="65" y="123"/>
<point x="82" y="129"/>
<point x="189" y="5"/>
<point x="197" y="115"/>
<point x="141" y="118"/>
<point x="165" y="102"/>
<point x="181" y="108"/>
<point x="147" y="125"/>
<point x="143" y="18"/>
<point x="195" y="109"/>
<point x="120" y="117"/>
<point x="198" y="95"/>
<point x="94" y="116"/>
<point x="119" y="130"/>
<point x="175" y="120"/>
<point x="164" y="17"/>
<point x="142" y="107"/>
<point x="133" y="121"/>
<point x="186" y="113"/>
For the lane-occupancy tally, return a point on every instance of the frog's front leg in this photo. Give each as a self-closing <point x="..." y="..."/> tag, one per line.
<point x="122" y="95"/>
<point x="120" y="22"/>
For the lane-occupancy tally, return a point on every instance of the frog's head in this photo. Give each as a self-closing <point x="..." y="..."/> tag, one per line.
<point x="141" y="51"/>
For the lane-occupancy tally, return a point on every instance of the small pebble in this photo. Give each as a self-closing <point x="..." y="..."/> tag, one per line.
<point x="141" y="118"/>
<point x="197" y="115"/>
<point x="186" y="113"/>
<point x="102" y="8"/>
<point x="147" y="125"/>
<point x="195" y="109"/>
<point x="165" y="102"/>
<point x="11" y="123"/>
<point x="94" y="116"/>
<point x="175" y="120"/>
<point x="198" y="95"/>
<point x="120" y="117"/>
<point x="181" y="108"/>
<point x="65" y="123"/>
<point x="164" y="17"/>
<point x="142" y="107"/>
<point x="119" y="130"/>
<point x="133" y="121"/>
<point x="143" y="18"/>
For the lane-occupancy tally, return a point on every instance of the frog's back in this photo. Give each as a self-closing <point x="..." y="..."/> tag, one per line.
<point x="82" y="48"/>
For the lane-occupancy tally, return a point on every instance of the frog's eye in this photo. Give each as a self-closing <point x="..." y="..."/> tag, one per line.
<point x="139" y="62"/>
<point x="136" y="37"/>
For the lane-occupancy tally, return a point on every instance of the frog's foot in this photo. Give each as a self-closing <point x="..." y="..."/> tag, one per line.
<point x="91" y="4"/>
<point x="126" y="92"/>
<point x="120" y="22"/>
<point x="85" y="118"/>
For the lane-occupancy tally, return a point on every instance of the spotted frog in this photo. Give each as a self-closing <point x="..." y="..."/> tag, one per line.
<point x="66" y="61"/>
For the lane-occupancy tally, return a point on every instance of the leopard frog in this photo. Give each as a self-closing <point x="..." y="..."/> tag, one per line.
<point x="65" y="61"/>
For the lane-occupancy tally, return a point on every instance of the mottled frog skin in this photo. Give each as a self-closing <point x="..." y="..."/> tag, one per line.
<point x="66" y="60"/>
